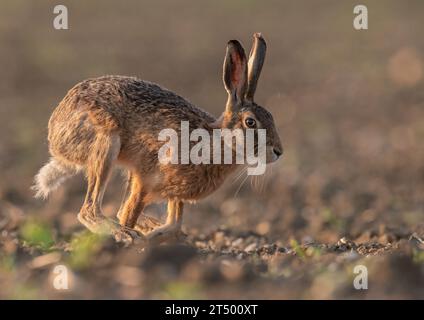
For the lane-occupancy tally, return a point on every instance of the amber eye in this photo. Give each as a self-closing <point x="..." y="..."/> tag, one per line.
<point x="250" y="122"/>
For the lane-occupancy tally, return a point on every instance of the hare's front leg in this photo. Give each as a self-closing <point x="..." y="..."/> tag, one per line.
<point x="132" y="206"/>
<point x="172" y="227"/>
<point x="154" y="231"/>
<point x="103" y="153"/>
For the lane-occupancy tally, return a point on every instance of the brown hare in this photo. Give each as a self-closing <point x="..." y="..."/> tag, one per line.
<point x="116" y="120"/>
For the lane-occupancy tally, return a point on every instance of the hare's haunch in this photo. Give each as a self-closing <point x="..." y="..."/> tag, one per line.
<point x="117" y="120"/>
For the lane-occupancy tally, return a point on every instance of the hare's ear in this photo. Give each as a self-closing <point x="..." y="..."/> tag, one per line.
<point x="235" y="74"/>
<point x="256" y="61"/>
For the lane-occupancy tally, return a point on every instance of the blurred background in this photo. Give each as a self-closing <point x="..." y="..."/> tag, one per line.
<point x="349" y="190"/>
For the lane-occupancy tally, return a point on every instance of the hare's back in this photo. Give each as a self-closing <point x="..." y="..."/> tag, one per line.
<point x="120" y="95"/>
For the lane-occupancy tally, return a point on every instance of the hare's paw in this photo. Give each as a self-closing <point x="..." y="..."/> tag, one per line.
<point x="97" y="223"/>
<point x="127" y="236"/>
<point x="166" y="233"/>
<point x="100" y="224"/>
<point x="147" y="224"/>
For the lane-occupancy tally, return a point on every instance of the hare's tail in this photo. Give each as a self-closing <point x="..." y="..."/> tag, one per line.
<point x="51" y="176"/>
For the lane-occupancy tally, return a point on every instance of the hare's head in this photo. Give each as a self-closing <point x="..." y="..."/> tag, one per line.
<point x="240" y="80"/>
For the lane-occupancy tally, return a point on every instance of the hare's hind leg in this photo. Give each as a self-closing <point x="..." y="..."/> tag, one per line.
<point x="132" y="207"/>
<point x="103" y="152"/>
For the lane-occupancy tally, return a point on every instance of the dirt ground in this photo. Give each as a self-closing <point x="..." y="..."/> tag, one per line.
<point x="348" y="193"/>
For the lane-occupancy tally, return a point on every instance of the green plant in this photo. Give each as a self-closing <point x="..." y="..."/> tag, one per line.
<point x="37" y="233"/>
<point x="83" y="248"/>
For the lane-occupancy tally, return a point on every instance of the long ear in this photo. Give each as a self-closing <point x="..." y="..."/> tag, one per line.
<point x="256" y="61"/>
<point x="235" y="74"/>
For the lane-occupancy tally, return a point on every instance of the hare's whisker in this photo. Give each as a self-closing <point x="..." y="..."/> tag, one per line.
<point x="241" y="184"/>
<point x="239" y="175"/>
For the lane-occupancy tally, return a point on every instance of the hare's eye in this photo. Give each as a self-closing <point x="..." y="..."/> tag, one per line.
<point x="250" y="122"/>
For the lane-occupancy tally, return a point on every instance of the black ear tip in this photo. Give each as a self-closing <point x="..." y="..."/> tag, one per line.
<point x="236" y="45"/>
<point x="258" y="36"/>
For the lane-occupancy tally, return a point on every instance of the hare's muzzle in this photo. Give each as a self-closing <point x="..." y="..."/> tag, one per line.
<point x="273" y="154"/>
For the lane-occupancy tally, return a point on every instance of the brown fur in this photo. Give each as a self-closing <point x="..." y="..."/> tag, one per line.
<point x="117" y="119"/>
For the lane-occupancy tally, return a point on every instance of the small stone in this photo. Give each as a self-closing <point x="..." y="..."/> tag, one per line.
<point x="282" y="250"/>
<point x="45" y="260"/>
<point x="237" y="242"/>
<point x="343" y="240"/>
<point x="219" y="238"/>
<point x="200" y="244"/>
<point x="251" y="247"/>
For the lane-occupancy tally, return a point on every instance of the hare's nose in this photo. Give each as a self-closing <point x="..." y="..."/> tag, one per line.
<point x="278" y="152"/>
